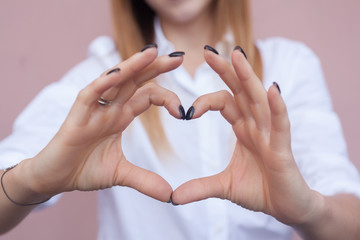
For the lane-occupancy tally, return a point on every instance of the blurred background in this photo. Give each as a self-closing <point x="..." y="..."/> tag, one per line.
<point x="41" y="40"/>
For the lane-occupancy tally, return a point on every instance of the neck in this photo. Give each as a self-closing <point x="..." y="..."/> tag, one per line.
<point x="191" y="38"/>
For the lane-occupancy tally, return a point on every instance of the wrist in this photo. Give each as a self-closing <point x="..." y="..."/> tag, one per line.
<point x="311" y="223"/>
<point x="17" y="185"/>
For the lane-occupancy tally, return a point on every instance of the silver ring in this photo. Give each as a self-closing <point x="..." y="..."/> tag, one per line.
<point x="104" y="102"/>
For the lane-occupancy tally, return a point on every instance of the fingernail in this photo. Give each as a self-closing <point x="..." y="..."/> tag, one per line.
<point x="190" y="113"/>
<point x="177" y="54"/>
<point x="241" y="50"/>
<point x="113" y="70"/>
<point x="211" y="49"/>
<point x="171" y="201"/>
<point x="277" y="85"/>
<point x="182" y="112"/>
<point x="149" y="46"/>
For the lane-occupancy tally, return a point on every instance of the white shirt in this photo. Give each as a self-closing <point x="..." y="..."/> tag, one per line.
<point x="202" y="146"/>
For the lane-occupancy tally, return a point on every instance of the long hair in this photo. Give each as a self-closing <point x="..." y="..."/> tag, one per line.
<point x="133" y="22"/>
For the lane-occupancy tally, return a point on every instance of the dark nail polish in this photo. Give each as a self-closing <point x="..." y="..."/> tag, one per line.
<point x="241" y="50"/>
<point x="172" y="202"/>
<point x="190" y="113"/>
<point x="277" y="85"/>
<point x="149" y="46"/>
<point x="211" y="49"/>
<point x="113" y="70"/>
<point x="177" y="54"/>
<point x="182" y="112"/>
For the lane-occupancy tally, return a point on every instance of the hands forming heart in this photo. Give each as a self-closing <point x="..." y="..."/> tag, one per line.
<point x="86" y="154"/>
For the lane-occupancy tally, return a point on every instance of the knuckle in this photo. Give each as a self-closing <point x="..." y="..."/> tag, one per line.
<point x="148" y="88"/>
<point x="226" y="96"/>
<point x="83" y="95"/>
<point x="151" y="85"/>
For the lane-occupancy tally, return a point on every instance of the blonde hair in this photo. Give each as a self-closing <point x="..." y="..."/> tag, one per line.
<point x="133" y="22"/>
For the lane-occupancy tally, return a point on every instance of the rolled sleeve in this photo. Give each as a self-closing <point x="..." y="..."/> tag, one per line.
<point x="317" y="138"/>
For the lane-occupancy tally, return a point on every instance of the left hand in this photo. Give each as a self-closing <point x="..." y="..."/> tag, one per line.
<point x="262" y="174"/>
<point x="86" y="153"/>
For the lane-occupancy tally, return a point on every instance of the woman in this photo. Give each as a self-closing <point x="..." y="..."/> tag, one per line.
<point x="87" y="151"/>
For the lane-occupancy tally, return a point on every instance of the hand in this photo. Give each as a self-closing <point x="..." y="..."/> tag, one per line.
<point x="86" y="154"/>
<point x="262" y="174"/>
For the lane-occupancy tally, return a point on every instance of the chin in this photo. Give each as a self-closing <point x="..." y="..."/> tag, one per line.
<point x="179" y="11"/>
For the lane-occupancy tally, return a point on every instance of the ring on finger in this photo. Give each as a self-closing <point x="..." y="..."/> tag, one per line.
<point x="104" y="102"/>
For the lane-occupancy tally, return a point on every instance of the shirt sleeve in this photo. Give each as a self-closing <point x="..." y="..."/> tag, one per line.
<point x="317" y="139"/>
<point x="42" y="118"/>
<point x="37" y="124"/>
<point x="35" y="127"/>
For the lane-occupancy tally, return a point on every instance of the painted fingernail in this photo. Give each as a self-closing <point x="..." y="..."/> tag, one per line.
<point x="149" y="46"/>
<point x="277" y="86"/>
<point x="171" y="201"/>
<point x="177" y="54"/>
<point x="190" y="113"/>
<point x="113" y="70"/>
<point x="182" y="112"/>
<point x="207" y="47"/>
<point x="241" y="50"/>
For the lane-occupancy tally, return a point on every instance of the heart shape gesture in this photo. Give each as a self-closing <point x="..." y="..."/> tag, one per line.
<point x="86" y="154"/>
<point x="262" y="174"/>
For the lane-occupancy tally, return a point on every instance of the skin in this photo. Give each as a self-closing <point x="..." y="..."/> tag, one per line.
<point x="180" y="12"/>
<point x="187" y="25"/>
<point x="86" y="153"/>
<point x="262" y="158"/>
<point x="262" y="171"/>
<point x="262" y="176"/>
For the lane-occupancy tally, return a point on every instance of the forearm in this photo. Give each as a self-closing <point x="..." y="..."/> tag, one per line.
<point x="16" y="185"/>
<point x="338" y="218"/>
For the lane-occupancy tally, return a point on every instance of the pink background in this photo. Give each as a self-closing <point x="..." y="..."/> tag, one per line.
<point x="40" y="40"/>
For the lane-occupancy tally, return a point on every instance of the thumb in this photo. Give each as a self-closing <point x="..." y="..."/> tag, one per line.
<point x="145" y="181"/>
<point x="199" y="189"/>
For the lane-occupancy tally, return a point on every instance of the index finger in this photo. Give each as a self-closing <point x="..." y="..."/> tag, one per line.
<point x="224" y="69"/>
<point x="119" y="75"/>
<point x="200" y="189"/>
<point x="124" y="91"/>
<point x="249" y="81"/>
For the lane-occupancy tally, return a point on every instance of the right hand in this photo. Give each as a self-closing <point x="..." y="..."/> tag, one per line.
<point x="262" y="174"/>
<point x="86" y="153"/>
